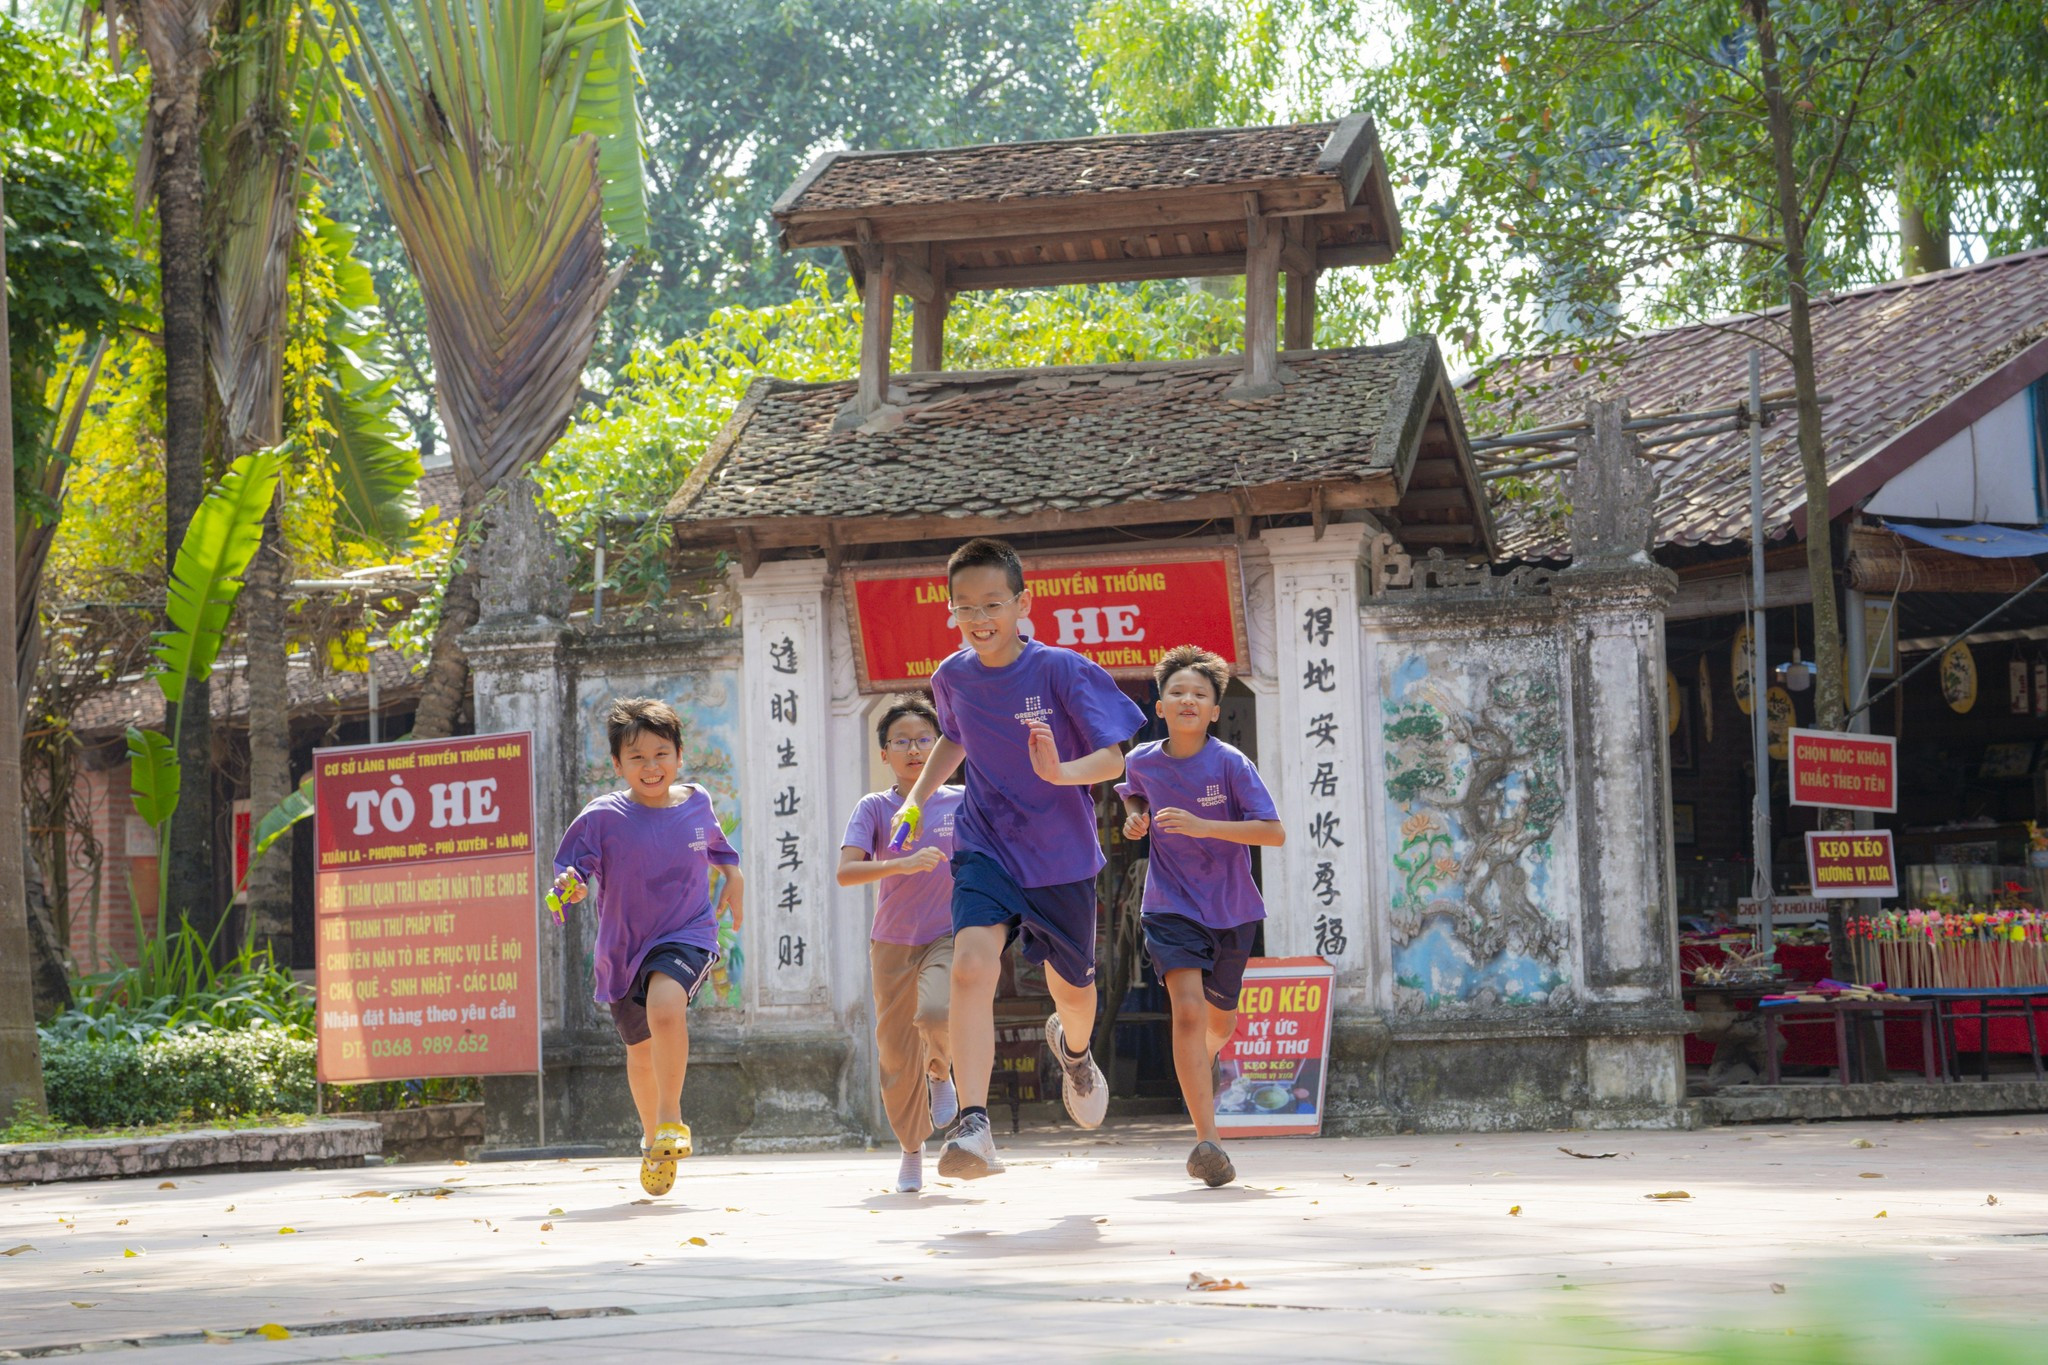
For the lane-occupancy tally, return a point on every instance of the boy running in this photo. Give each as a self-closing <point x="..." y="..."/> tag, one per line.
<point x="650" y="852"/>
<point x="1202" y="802"/>
<point x="910" y="952"/>
<point x="1026" y="851"/>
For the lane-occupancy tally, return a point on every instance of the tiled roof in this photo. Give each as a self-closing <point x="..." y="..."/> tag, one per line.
<point x="1888" y="357"/>
<point x="1008" y="171"/>
<point x="1015" y="442"/>
<point x="140" y="703"/>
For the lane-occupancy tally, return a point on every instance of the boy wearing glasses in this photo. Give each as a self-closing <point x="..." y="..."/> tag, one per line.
<point x="910" y="949"/>
<point x="1026" y="852"/>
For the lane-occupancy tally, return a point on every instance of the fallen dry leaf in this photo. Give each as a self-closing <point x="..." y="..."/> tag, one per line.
<point x="1591" y="1156"/>
<point x="1869" y="1175"/>
<point x="554" y="1213"/>
<point x="1515" y="1212"/>
<point x="1881" y="1213"/>
<point x="1777" y="1288"/>
<point x="1198" y="1280"/>
<point x="273" y="1331"/>
<point x="122" y="1223"/>
<point x="16" y="1251"/>
<point x="1990" y="1199"/>
<point x="168" y="1185"/>
<point x="892" y="1277"/>
<point x="212" y="1335"/>
<point x="547" y="1227"/>
<point x="80" y="1303"/>
<point x="698" y="1242"/>
<point x="368" y="1194"/>
<point x="465" y="1163"/>
<point x="286" y="1232"/>
<point x="1860" y="1144"/>
<point x="131" y="1251"/>
<point x="1668" y="1194"/>
<point x="229" y="1209"/>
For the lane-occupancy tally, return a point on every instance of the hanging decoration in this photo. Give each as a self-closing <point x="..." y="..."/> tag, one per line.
<point x="1740" y="659"/>
<point x="1670" y="702"/>
<point x="1959" y="678"/>
<point x="2041" y="687"/>
<point x="1706" y="700"/>
<point x="2018" y="674"/>
<point x="1780" y="717"/>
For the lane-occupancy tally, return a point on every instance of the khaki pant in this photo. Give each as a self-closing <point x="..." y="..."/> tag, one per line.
<point x="913" y="987"/>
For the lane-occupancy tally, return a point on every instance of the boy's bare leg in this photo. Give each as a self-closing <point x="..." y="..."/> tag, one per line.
<point x="1196" y="1039"/>
<point x="640" y="1076"/>
<point x="1076" y="1006"/>
<point x="668" y="1016"/>
<point x="977" y="967"/>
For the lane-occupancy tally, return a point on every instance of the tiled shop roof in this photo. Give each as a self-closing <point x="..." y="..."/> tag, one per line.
<point x="1008" y="171"/>
<point x="1019" y="442"/>
<point x="1890" y="357"/>
<point x="325" y="692"/>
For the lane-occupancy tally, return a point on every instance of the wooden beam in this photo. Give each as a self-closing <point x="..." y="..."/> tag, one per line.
<point x="928" y="320"/>
<point x="1348" y="153"/>
<point x="1053" y="273"/>
<point x="877" y="322"/>
<point x="1318" y="511"/>
<point x="1731" y="595"/>
<point x="1418" y="533"/>
<point x="912" y="277"/>
<point x="1261" y="299"/>
<point x="750" y="553"/>
<point x="1442" y="498"/>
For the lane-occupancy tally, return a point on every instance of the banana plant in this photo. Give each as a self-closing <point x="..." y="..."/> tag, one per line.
<point x="206" y="581"/>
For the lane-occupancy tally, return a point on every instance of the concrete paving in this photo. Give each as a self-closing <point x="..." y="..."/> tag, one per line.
<point x="1850" y="1237"/>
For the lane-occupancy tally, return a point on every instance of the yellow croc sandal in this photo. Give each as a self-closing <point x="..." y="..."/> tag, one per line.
<point x="658" y="1162"/>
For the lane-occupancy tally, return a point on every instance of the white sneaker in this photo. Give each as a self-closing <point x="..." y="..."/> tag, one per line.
<point x="1081" y="1082"/>
<point x="944" y="1100"/>
<point x="910" y="1175"/>
<point x="970" y="1153"/>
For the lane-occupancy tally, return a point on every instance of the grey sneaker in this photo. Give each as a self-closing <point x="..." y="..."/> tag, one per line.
<point x="910" y="1175"/>
<point x="970" y="1153"/>
<point x="1208" y="1164"/>
<point x="1081" y="1082"/>
<point x="945" y="1101"/>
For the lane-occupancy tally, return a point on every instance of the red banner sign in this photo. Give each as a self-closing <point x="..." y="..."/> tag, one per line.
<point x="426" y="909"/>
<point x="1854" y="772"/>
<point x="1851" y="862"/>
<point x="1275" y="1065"/>
<point x="1121" y="610"/>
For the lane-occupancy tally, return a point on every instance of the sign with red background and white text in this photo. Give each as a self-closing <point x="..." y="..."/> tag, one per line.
<point x="1854" y="772"/>
<point x="1275" y="1064"/>
<point x="1121" y="610"/>
<point x="426" y="911"/>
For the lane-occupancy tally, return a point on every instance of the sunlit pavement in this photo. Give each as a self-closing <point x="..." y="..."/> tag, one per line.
<point x="1424" y="1249"/>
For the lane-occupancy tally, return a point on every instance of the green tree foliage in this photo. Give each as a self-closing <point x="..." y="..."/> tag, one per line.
<point x="67" y="198"/>
<point x="626" y="459"/>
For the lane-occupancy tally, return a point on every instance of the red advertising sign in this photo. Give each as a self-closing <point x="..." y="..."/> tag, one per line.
<point x="1855" y="772"/>
<point x="1121" y="610"/>
<point x="426" y="909"/>
<point x="1851" y="862"/>
<point x="1275" y="1065"/>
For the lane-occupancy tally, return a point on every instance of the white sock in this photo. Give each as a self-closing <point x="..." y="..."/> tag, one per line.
<point x="912" y="1169"/>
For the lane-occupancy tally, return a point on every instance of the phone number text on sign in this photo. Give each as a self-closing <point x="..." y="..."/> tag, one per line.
<point x="426" y="908"/>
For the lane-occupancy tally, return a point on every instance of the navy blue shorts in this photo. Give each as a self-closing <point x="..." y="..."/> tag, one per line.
<point x="1175" y="941"/>
<point x="685" y="963"/>
<point x="1057" y="923"/>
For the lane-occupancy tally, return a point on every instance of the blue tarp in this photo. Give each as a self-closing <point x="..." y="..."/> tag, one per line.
<point x="1981" y="541"/>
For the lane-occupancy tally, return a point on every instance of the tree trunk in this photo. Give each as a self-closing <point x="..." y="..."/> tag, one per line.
<point x="175" y="59"/>
<point x="447" y="677"/>
<point x="21" y="1054"/>
<point x="270" y="738"/>
<point x="52" y="974"/>
<point x="1923" y="226"/>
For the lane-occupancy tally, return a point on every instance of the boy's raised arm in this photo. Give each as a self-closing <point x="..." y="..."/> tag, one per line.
<point x="1104" y="765"/>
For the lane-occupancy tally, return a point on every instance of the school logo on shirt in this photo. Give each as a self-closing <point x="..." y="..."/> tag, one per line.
<point x="944" y="829"/>
<point x="1034" y="709"/>
<point x="1213" y="796"/>
<point x="699" y="844"/>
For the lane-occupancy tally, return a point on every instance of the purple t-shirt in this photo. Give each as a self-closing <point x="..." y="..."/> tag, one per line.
<point x="1209" y="880"/>
<point x="918" y="908"/>
<point x="1042" y="835"/>
<point x="650" y="873"/>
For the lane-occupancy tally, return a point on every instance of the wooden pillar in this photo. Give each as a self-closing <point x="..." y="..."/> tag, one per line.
<point x="1298" y="259"/>
<point x="928" y="318"/>
<point x="877" y="326"/>
<point x="1261" y="298"/>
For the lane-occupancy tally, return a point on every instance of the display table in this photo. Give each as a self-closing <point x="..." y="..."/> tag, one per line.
<point x="1955" y="1006"/>
<point x="1778" y="1013"/>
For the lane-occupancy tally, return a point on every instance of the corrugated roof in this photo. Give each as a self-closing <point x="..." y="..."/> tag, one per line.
<point x="1889" y="357"/>
<point x="1015" y="442"/>
<point x="1064" y="168"/>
